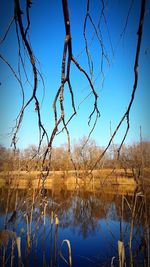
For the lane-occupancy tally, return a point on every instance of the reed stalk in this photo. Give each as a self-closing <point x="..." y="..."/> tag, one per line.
<point x="112" y="262"/>
<point x="52" y="217"/>
<point x="51" y="244"/>
<point x="56" y="220"/>
<point x="28" y="234"/>
<point x="32" y="206"/>
<point x="132" y="225"/>
<point x="55" y="238"/>
<point x="16" y="200"/>
<point x="67" y="242"/>
<point x="7" y="205"/>
<point x="12" y="253"/>
<point x="18" y="242"/>
<point x="121" y="253"/>
<point x="3" y="257"/>
<point x="131" y="231"/>
<point x="45" y="205"/>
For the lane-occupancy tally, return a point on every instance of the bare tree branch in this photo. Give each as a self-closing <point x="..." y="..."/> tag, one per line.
<point x="7" y="30"/>
<point x="18" y="19"/>
<point x="127" y="113"/>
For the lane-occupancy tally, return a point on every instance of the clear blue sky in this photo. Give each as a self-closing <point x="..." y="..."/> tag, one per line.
<point x="47" y="35"/>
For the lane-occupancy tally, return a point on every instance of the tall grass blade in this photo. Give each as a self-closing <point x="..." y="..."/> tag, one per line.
<point x="56" y="220"/>
<point x="52" y="217"/>
<point x="18" y="242"/>
<point x="121" y="253"/>
<point x="112" y="262"/>
<point x="69" y="252"/>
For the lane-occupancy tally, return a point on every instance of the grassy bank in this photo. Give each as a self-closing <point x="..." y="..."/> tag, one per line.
<point x="68" y="179"/>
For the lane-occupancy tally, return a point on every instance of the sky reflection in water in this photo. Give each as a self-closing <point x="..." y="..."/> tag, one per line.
<point x="92" y="222"/>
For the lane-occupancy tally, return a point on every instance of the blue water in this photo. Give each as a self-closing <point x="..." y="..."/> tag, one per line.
<point x="91" y="222"/>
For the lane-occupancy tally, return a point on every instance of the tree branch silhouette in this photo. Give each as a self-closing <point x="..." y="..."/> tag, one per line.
<point x="67" y="58"/>
<point x="61" y="123"/>
<point x="126" y="115"/>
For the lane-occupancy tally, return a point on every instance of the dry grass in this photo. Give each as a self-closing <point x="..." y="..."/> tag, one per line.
<point x="68" y="180"/>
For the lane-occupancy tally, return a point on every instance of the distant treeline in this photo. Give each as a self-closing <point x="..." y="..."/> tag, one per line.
<point x="134" y="157"/>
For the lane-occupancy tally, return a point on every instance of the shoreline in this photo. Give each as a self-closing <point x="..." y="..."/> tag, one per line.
<point x="67" y="179"/>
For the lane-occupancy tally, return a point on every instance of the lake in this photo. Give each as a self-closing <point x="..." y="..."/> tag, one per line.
<point x="74" y="228"/>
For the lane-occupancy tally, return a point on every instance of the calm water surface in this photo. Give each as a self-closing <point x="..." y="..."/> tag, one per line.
<point x="92" y="222"/>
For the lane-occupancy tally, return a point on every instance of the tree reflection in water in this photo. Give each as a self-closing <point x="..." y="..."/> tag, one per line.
<point x="92" y="221"/>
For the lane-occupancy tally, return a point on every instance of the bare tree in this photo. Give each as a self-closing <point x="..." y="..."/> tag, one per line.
<point x="21" y="20"/>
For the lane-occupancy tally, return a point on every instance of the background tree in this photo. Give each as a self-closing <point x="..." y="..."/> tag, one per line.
<point x="21" y="21"/>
